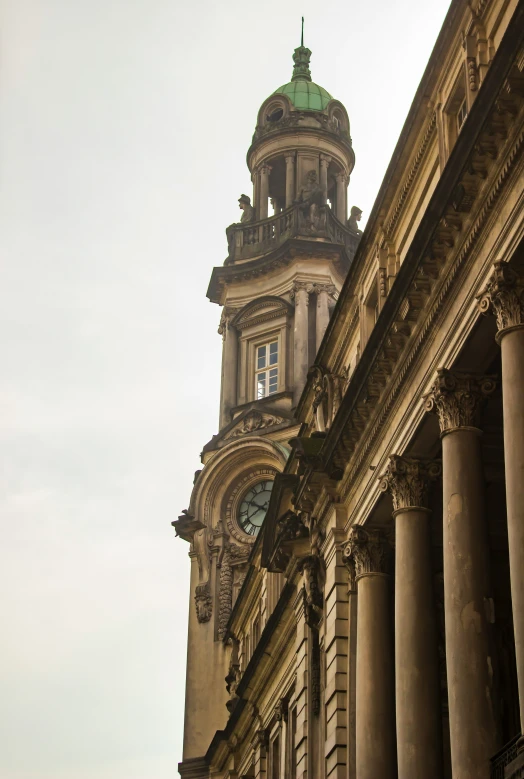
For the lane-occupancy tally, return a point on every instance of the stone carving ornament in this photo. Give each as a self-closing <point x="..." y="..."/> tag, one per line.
<point x="253" y="421"/>
<point x="365" y="551"/>
<point x="311" y="201"/>
<point x="504" y="296"/>
<point x="408" y="481"/>
<point x="457" y="398"/>
<point x="233" y="556"/>
<point x="248" y="212"/>
<point x="328" y="391"/>
<point x="203" y="602"/>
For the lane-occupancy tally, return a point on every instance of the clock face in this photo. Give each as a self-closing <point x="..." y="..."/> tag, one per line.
<point x="254" y="507"/>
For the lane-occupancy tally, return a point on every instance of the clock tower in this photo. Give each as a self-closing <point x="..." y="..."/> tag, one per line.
<point x="287" y="258"/>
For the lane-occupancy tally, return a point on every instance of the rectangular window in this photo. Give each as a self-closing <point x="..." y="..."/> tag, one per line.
<point x="267" y="369"/>
<point x="461" y="115"/>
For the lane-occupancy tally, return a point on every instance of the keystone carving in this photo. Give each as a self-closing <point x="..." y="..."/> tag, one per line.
<point x="203" y="602"/>
<point x="365" y="551"/>
<point x="503" y="296"/>
<point x="408" y="481"/>
<point x="457" y="398"/>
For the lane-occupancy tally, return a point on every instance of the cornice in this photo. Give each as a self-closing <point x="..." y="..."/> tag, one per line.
<point x="381" y="373"/>
<point x="287" y="253"/>
<point x="410" y="178"/>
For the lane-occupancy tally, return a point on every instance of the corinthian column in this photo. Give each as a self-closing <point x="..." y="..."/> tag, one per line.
<point x="375" y="701"/>
<point x="419" y="725"/>
<point x="301" y="338"/>
<point x="457" y="399"/>
<point x="504" y="297"/>
<point x="290" y="179"/>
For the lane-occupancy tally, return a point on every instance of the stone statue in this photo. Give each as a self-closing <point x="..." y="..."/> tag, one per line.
<point x="354" y="218"/>
<point x="312" y="203"/>
<point x="244" y="203"/>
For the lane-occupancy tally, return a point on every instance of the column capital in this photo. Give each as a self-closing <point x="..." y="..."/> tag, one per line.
<point x="457" y="398"/>
<point x="365" y="551"/>
<point x="226" y="318"/>
<point x="290" y="157"/>
<point x="503" y="296"/>
<point x="325" y="159"/>
<point x="408" y="480"/>
<point x="265" y="169"/>
<point x="341" y="177"/>
<point x="300" y="287"/>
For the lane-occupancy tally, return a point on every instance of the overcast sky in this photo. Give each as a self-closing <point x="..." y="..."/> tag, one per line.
<point x="124" y="126"/>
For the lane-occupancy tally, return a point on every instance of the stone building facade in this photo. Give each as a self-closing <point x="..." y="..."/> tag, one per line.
<point x="357" y="530"/>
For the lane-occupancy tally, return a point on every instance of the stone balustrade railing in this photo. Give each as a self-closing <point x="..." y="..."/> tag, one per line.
<point x="247" y="241"/>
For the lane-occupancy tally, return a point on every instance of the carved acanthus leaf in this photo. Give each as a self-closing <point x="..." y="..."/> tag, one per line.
<point x="408" y="481"/>
<point x="457" y="398"/>
<point x="503" y="296"/>
<point x="365" y="550"/>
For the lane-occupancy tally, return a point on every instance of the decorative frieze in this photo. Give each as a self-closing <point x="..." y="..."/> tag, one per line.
<point x="408" y="481"/>
<point x="252" y="422"/>
<point x="365" y="551"/>
<point x="503" y="296"/>
<point x="457" y="398"/>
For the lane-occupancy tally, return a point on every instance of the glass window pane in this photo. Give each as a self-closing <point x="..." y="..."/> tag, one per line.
<point x="273" y="372"/>
<point x="273" y="353"/>
<point x="261" y="385"/>
<point x="261" y="357"/>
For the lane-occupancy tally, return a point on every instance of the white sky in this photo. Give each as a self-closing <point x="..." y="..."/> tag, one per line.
<point x="124" y="126"/>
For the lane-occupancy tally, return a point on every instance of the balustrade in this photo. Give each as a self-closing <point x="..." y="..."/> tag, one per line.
<point x="250" y="240"/>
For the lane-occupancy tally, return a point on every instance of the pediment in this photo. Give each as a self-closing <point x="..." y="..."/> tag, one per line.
<point x="261" y="310"/>
<point x="253" y="421"/>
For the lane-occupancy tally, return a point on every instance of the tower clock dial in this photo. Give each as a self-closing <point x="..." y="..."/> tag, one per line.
<point x="254" y="507"/>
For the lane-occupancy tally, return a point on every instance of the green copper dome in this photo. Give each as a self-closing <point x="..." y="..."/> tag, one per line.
<point x="305" y="95"/>
<point x="302" y="92"/>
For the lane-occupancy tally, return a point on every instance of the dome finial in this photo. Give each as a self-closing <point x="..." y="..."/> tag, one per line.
<point x="301" y="57"/>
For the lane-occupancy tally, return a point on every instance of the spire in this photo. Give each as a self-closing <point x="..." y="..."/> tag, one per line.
<point x="301" y="57"/>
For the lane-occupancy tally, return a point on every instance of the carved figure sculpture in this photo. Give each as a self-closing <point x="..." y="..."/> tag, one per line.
<point x="354" y="218"/>
<point x="244" y="203"/>
<point x="312" y="204"/>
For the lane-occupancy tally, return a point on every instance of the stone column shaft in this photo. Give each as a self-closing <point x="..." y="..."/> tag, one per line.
<point x="264" y="192"/>
<point x="301" y="338"/>
<point x="290" y="179"/>
<point x="322" y="315"/>
<point x="324" y="164"/>
<point x="375" y="699"/>
<point x="229" y="373"/>
<point x="419" y="725"/>
<point x="341" y="208"/>
<point x="504" y="296"/>
<point x="457" y="399"/>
